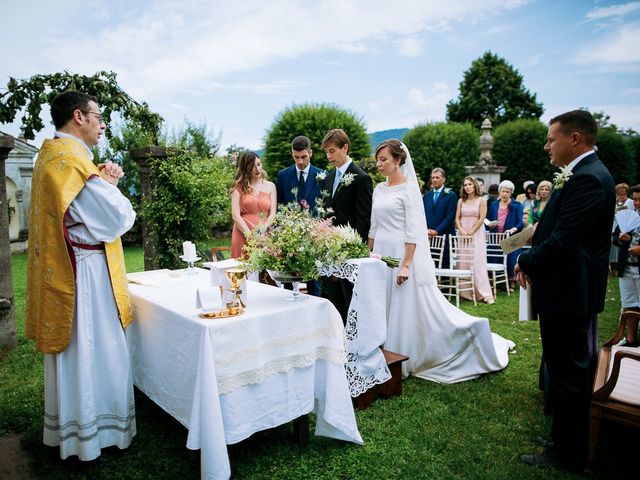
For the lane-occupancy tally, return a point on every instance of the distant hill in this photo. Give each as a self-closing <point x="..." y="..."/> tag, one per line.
<point x="376" y="137"/>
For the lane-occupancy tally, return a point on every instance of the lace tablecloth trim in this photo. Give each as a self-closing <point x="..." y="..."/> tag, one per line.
<point x="358" y="382"/>
<point x="276" y="344"/>
<point x="281" y="365"/>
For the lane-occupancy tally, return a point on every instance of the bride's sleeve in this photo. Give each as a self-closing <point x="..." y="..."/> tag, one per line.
<point x="374" y="223"/>
<point x="411" y="218"/>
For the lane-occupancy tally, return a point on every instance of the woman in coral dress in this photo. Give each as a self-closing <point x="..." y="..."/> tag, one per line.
<point x="470" y="215"/>
<point x="253" y="201"/>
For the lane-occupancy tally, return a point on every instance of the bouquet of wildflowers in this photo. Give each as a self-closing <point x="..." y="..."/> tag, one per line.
<point x="300" y="244"/>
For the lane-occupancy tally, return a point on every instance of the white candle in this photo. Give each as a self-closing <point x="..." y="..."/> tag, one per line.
<point x="189" y="250"/>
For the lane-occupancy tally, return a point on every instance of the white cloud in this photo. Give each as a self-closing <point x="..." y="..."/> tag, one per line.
<point x="161" y="46"/>
<point x="410" y="46"/>
<point x="619" y="48"/>
<point x="631" y="91"/>
<point x="498" y="29"/>
<point x="612" y="11"/>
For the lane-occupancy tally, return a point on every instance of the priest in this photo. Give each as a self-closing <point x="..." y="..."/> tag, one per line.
<point x="77" y="297"/>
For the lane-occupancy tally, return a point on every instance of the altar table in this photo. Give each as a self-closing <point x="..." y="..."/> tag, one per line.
<point x="225" y="379"/>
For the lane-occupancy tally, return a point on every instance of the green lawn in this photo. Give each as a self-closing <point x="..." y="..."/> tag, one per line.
<point x="474" y="429"/>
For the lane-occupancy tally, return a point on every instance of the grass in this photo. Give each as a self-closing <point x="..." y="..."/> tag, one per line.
<point x="474" y="429"/>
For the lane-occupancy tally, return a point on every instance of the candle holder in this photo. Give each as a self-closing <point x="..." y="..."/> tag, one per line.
<point x="190" y="270"/>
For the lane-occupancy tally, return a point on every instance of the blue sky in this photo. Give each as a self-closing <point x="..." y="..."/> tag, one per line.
<point x="237" y="64"/>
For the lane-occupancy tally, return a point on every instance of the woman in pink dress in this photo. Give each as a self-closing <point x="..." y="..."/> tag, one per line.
<point x="253" y="201"/>
<point x="470" y="215"/>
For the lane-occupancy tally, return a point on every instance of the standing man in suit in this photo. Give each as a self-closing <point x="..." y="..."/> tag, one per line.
<point x="298" y="183"/>
<point x="440" y="208"/>
<point x="349" y="190"/>
<point x="567" y="267"/>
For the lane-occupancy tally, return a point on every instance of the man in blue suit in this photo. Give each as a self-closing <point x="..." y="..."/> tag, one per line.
<point x="298" y="183"/>
<point x="440" y="208"/>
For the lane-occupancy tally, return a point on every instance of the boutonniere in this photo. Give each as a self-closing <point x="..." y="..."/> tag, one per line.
<point x="347" y="179"/>
<point x="561" y="177"/>
<point x="321" y="176"/>
<point x="446" y="190"/>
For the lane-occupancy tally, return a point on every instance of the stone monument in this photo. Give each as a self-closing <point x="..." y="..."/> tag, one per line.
<point x="486" y="167"/>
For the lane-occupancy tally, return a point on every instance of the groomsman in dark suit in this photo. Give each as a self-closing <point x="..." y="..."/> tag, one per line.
<point x="298" y="183"/>
<point x="349" y="190"/>
<point x="300" y="176"/>
<point x="567" y="267"/>
<point x="440" y="208"/>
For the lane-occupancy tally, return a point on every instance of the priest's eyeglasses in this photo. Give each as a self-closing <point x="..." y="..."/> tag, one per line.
<point x="99" y="115"/>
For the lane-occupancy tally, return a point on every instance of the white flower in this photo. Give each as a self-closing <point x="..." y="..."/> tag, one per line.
<point x="321" y="176"/>
<point x="348" y="234"/>
<point x="347" y="179"/>
<point x="561" y="177"/>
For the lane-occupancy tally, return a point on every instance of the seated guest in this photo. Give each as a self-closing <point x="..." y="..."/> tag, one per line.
<point x="508" y="214"/>
<point x="629" y="269"/>
<point x="253" y="200"/>
<point x="543" y="192"/>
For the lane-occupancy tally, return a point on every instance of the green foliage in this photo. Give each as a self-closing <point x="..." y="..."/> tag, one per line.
<point x="519" y="146"/>
<point x="198" y="138"/>
<point x="492" y="88"/>
<point x="450" y="146"/>
<point x="313" y="120"/>
<point x="617" y="155"/>
<point x="30" y="94"/>
<point x="634" y="145"/>
<point x="191" y="201"/>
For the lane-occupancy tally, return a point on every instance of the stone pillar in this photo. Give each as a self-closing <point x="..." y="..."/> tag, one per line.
<point x="7" y="310"/>
<point x="143" y="157"/>
<point x="486" y="167"/>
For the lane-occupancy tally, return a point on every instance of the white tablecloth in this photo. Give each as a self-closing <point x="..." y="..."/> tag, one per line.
<point x="366" y="327"/>
<point x="225" y="379"/>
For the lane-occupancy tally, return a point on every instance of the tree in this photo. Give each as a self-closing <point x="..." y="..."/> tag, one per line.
<point x="450" y="146"/>
<point x="617" y="155"/>
<point x="314" y="121"/>
<point x="519" y="146"/>
<point x="493" y="89"/>
<point x="30" y="94"/>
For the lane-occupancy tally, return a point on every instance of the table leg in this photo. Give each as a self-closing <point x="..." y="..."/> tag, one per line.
<point x="301" y="430"/>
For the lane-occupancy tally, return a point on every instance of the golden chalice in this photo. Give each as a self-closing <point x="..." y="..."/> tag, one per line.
<point x="235" y="277"/>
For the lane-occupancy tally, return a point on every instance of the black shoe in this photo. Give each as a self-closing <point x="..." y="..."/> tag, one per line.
<point x="548" y="458"/>
<point x="543" y="442"/>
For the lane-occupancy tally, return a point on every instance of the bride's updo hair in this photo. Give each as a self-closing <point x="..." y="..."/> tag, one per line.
<point x="395" y="147"/>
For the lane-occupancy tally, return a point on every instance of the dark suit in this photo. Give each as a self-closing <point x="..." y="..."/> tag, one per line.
<point x="441" y="216"/>
<point x="286" y="181"/>
<point x="351" y="206"/>
<point x="568" y="267"/>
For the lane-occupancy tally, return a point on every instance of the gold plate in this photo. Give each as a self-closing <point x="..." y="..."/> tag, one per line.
<point x="224" y="313"/>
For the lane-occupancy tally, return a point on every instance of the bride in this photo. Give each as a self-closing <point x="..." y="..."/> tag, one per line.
<point x="444" y="344"/>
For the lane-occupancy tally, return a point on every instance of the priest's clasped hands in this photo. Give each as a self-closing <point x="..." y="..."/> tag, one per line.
<point x="111" y="172"/>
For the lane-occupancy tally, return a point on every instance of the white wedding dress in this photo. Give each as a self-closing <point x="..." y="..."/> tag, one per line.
<point x="444" y="344"/>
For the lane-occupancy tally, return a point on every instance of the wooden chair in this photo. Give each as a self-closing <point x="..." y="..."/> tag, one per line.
<point x="452" y="281"/>
<point x="497" y="262"/>
<point x="616" y="388"/>
<point x="436" y="245"/>
<point x="220" y="253"/>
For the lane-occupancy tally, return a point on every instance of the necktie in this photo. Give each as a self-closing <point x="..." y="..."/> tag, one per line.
<point x="436" y="194"/>
<point x="336" y="181"/>
<point x="301" y="182"/>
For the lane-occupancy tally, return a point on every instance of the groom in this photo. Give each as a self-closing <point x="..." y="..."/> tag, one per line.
<point x="567" y="267"/>
<point x="348" y="189"/>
